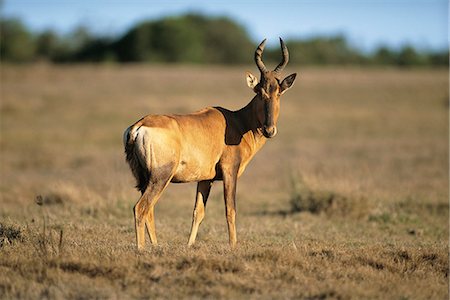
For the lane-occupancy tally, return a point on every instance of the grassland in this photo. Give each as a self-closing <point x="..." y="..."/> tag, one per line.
<point x="349" y="200"/>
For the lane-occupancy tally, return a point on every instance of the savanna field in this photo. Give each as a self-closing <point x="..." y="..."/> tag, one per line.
<point x="348" y="201"/>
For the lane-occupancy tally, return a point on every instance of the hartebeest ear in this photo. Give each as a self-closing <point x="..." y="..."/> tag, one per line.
<point x="287" y="83"/>
<point x="252" y="81"/>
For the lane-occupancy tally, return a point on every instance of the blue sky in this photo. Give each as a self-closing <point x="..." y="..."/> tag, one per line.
<point x="366" y="23"/>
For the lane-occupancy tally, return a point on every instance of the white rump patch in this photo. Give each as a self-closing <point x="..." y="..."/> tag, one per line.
<point x="132" y="131"/>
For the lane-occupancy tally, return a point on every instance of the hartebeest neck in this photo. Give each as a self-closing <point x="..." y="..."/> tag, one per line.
<point x="249" y="118"/>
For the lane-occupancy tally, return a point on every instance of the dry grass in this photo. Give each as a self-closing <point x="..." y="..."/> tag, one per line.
<point x="350" y="200"/>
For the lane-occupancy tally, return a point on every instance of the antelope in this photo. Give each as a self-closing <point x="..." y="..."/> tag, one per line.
<point x="213" y="144"/>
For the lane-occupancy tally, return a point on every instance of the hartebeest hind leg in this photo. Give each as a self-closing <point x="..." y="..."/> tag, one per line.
<point x="229" y="190"/>
<point x="144" y="210"/>
<point x="203" y="189"/>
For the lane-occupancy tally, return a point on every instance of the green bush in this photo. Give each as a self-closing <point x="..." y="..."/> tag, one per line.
<point x="16" y="42"/>
<point x="193" y="38"/>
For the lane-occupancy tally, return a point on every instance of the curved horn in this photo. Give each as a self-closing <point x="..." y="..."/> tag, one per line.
<point x="285" y="59"/>
<point x="258" y="59"/>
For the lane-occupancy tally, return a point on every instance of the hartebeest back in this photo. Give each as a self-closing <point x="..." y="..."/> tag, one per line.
<point x="212" y="144"/>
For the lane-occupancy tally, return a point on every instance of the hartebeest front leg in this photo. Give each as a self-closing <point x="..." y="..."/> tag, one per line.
<point x="229" y="190"/>
<point x="203" y="189"/>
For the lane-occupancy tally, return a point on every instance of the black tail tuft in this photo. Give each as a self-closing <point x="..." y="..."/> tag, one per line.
<point x="140" y="172"/>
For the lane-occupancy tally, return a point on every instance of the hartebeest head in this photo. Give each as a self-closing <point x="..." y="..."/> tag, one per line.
<point x="269" y="89"/>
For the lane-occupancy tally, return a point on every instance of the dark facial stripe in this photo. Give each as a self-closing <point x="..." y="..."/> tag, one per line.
<point x="269" y="112"/>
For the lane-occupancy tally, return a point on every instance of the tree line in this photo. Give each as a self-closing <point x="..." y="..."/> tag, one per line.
<point x="191" y="38"/>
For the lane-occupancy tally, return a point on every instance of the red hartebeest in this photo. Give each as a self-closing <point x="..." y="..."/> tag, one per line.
<point x="212" y="144"/>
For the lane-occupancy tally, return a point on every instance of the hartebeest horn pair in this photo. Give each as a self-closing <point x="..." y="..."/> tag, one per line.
<point x="214" y="144"/>
<point x="281" y="65"/>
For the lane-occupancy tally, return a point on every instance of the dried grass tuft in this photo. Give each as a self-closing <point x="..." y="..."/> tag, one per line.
<point x="305" y="199"/>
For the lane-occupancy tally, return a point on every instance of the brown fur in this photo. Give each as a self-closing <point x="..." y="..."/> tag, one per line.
<point x="205" y="146"/>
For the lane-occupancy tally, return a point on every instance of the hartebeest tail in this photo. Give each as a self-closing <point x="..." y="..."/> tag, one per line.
<point x="140" y="172"/>
<point x="214" y="144"/>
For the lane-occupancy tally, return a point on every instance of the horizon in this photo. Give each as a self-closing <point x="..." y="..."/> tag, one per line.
<point x="366" y="26"/>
